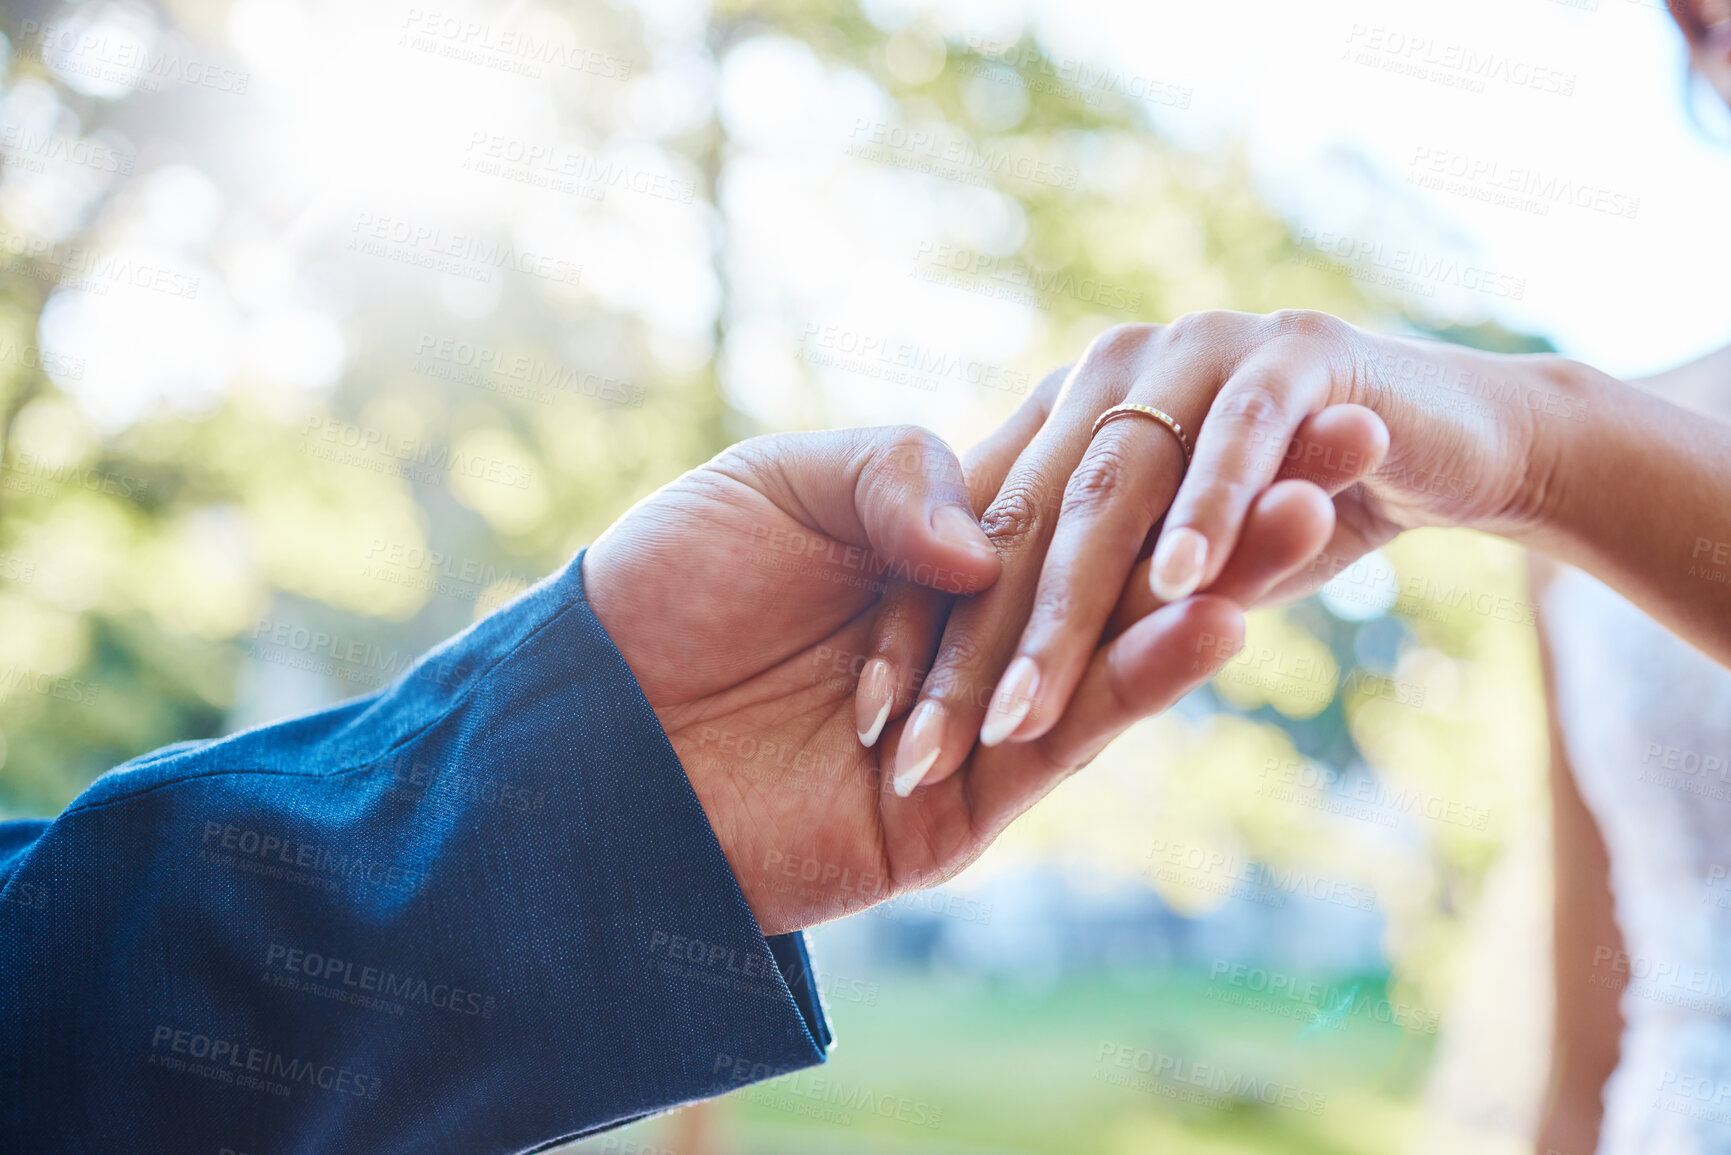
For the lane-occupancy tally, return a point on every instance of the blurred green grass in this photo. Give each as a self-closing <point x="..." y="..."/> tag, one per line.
<point x="1020" y="1070"/>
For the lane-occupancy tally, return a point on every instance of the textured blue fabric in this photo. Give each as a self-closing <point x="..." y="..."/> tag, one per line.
<point x="478" y="911"/>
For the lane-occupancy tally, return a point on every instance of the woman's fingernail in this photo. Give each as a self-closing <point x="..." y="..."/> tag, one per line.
<point x="1178" y="562"/>
<point x="871" y="703"/>
<point x="1013" y="701"/>
<point x="959" y="529"/>
<point x="919" y="748"/>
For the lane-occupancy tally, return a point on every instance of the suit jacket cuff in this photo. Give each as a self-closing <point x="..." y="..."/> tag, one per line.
<point x="484" y="901"/>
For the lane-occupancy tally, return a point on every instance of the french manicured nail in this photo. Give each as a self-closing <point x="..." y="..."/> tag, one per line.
<point x="1013" y="701"/>
<point x="959" y="529"/>
<point x="919" y="748"/>
<point x="1178" y="562"/>
<point x="871" y="703"/>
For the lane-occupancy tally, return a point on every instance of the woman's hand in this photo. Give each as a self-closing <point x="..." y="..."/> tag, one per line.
<point x="1399" y="432"/>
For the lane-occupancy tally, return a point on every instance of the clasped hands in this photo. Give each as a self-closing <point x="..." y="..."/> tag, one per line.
<point x="871" y="657"/>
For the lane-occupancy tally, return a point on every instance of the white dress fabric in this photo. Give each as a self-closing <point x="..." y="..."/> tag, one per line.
<point x="1646" y="722"/>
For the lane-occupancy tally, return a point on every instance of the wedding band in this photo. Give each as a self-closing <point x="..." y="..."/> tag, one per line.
<point x="1159" y="415"/>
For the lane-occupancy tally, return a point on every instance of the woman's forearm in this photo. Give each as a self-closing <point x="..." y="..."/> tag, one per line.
<point x="1638" y="493"/>
<point x="1699" y="384"/>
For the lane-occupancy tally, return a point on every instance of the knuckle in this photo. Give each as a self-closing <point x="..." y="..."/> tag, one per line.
<point x="1098" y="480"/>
<point x="751" y="451"/>
<point x="1015" y="517"/>
<point x="1305" y="323"/>
<point x="1128" y="337"/>
<point x="909" y="451"/>
<point x="1209" y="327"/>
<point x="755" y="457"/>
<point x="961" y="651"/>
<point x="1119" y="346"/>
<point x="1056" y="601"/>
<point x="1257" y="403"/>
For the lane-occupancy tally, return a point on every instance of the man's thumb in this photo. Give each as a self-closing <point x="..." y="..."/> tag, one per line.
<point x="895" y="489"/>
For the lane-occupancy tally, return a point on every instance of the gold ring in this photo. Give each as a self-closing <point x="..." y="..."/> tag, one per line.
<point x="1159" y="415"/>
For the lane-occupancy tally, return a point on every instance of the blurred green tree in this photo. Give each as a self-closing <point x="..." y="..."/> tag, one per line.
<point x="196" y="567"/>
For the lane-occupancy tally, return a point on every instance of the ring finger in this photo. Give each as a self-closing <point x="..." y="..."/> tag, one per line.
<point x="981" y="635"/>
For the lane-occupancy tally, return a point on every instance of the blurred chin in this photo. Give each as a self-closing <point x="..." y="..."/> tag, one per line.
<point x="1720" y="79"/>
<point x="1713" y="62"/>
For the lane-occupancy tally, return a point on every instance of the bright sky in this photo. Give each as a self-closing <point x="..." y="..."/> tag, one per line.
<point x="1583" y="93"/>
<point x="1626" y="294"/>
<point x="1586" y="95"/>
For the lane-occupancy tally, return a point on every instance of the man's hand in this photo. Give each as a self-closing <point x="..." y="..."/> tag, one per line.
<point x="744" y="596"/>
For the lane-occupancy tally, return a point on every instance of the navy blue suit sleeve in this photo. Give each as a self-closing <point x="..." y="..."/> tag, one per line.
<point x="478" y="911"/>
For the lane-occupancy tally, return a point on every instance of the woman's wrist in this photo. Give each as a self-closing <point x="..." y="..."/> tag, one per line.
<point x="1478" y="437"/>
<point x="1633" y="493"/>
<point x="1575" y="475"/>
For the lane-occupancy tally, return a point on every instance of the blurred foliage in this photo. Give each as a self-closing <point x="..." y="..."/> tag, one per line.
<point x="1021" y="1073"/>
<point x="152" y="564"/>
<point x="151" y="553"/>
